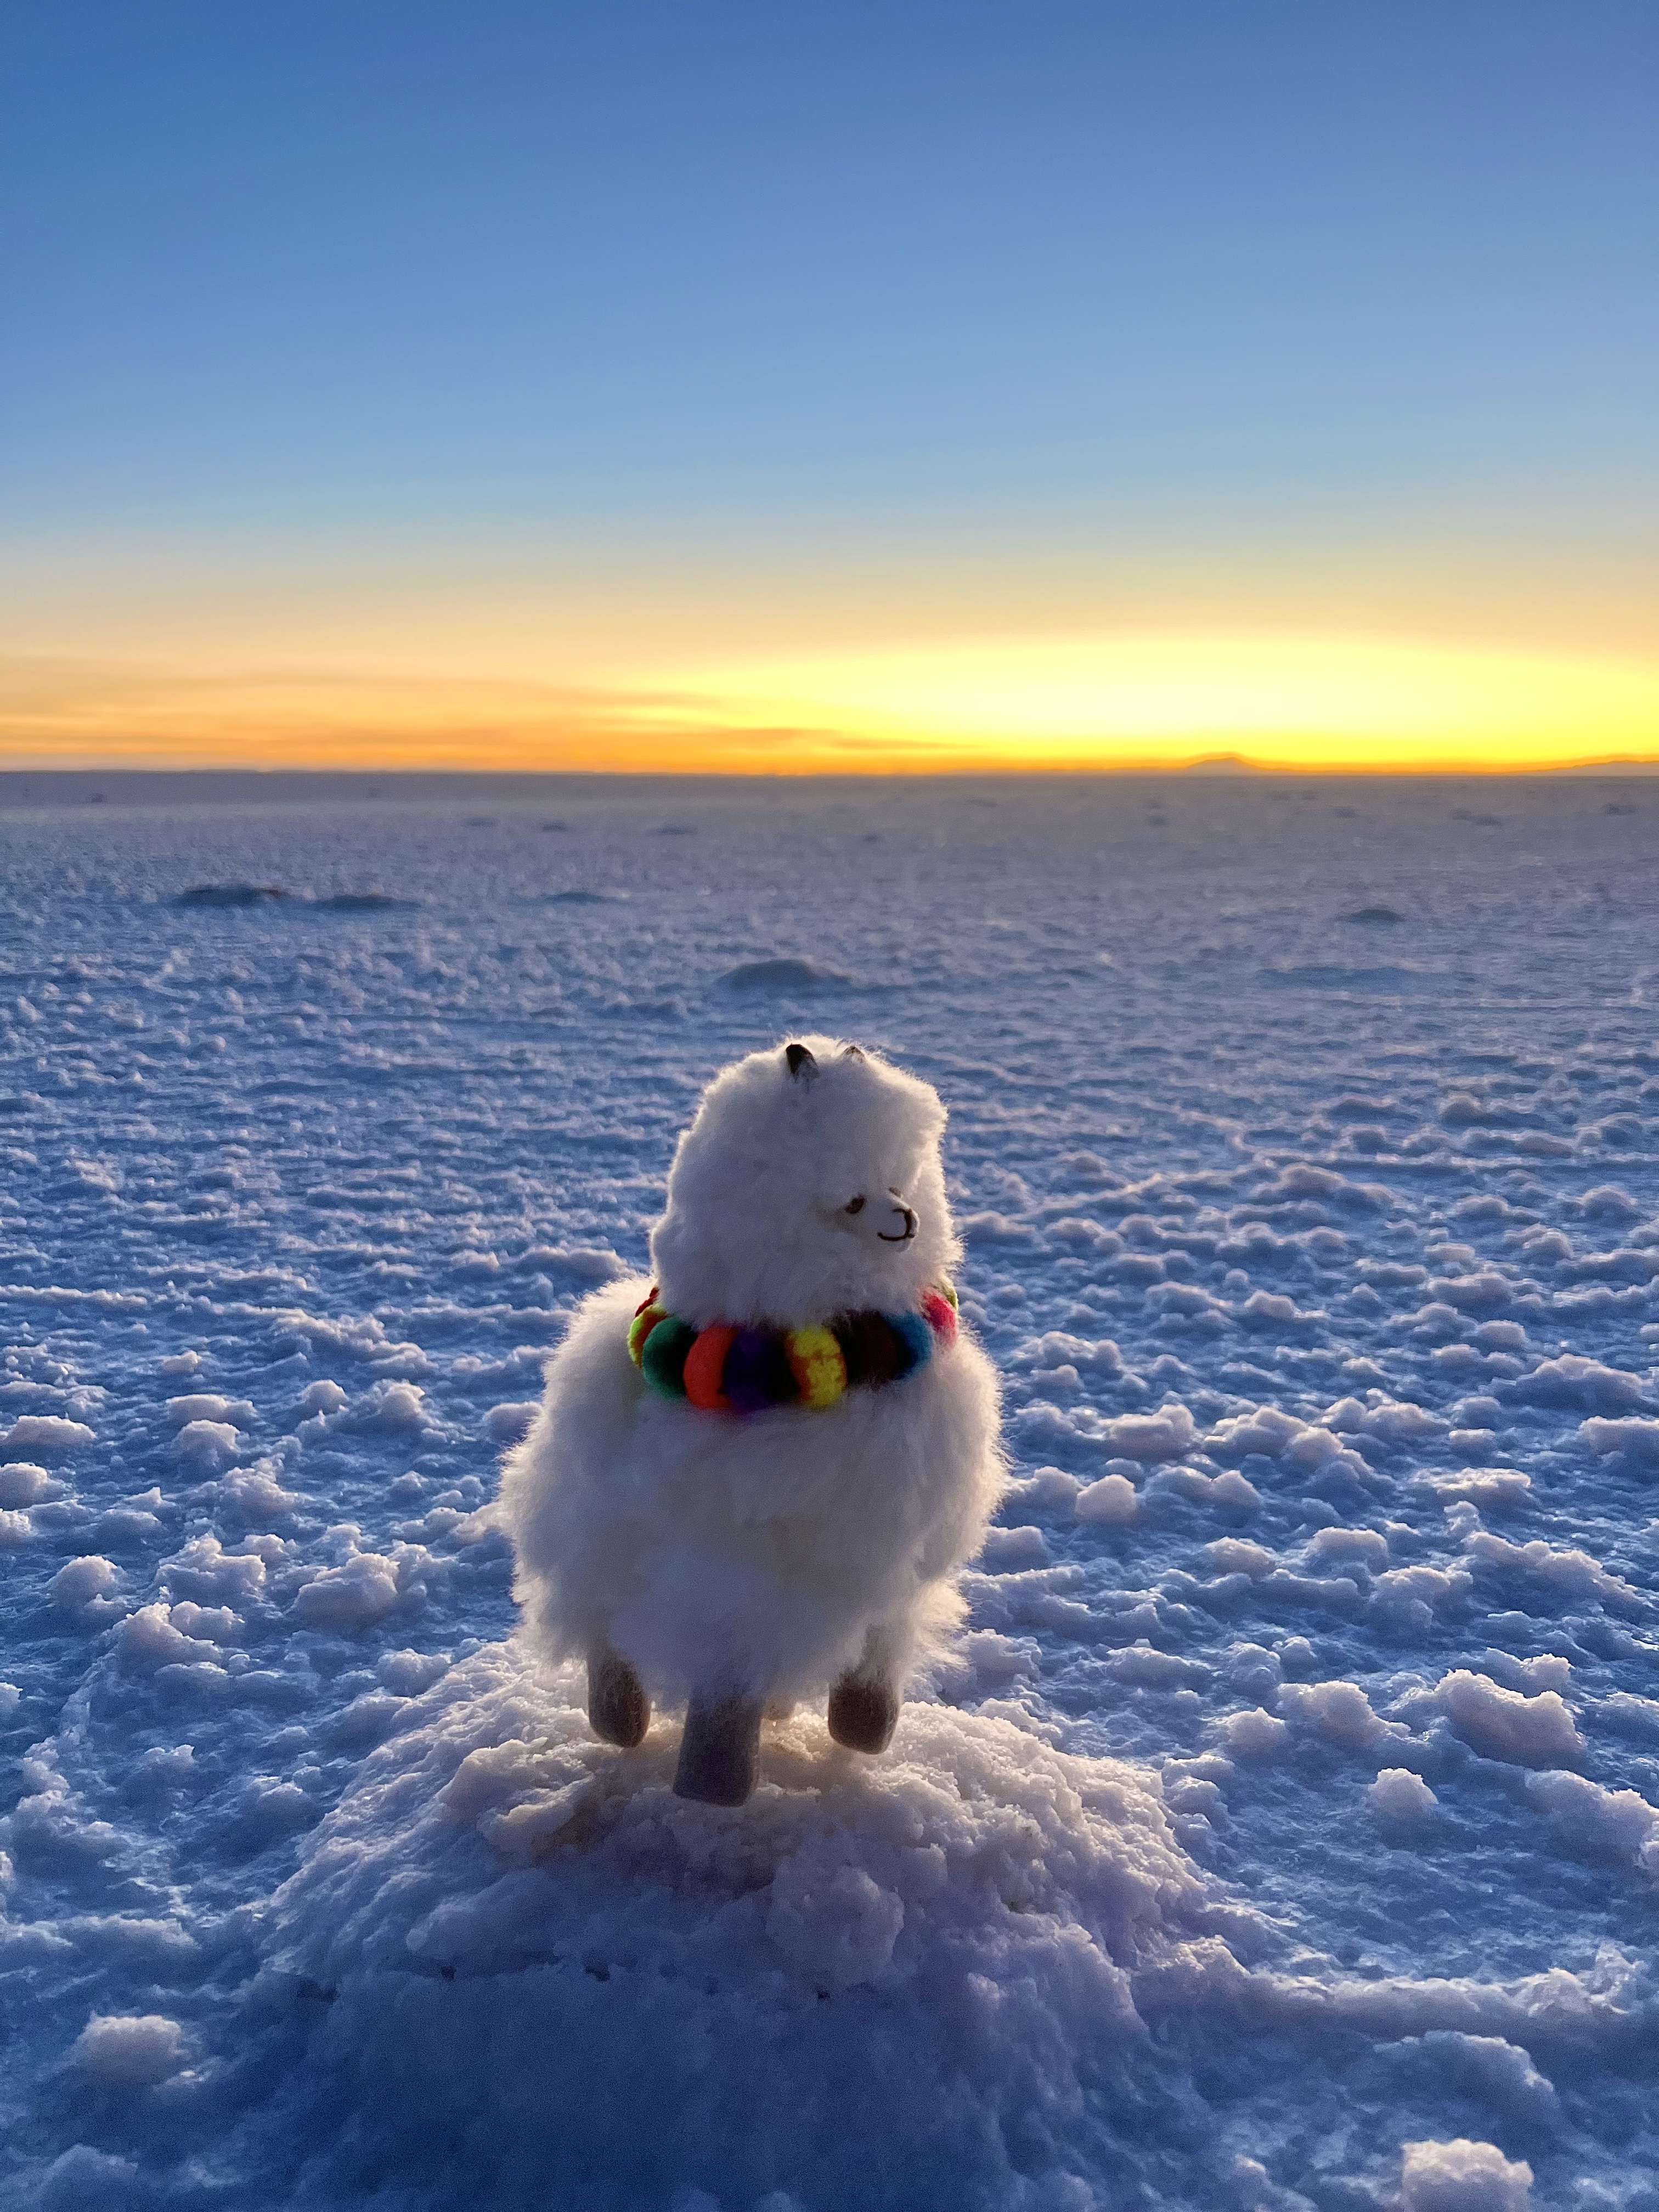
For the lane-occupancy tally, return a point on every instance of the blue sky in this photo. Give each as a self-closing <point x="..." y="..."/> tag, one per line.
<point x="1039" y="291"/>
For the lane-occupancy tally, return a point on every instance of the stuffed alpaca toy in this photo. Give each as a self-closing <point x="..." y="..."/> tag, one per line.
<point x="754" y="1476"/>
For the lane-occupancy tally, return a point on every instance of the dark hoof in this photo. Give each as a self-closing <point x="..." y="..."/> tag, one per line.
<point x="618" y="1711"/>
<point x="720" y="1750"/>
<point x="863" y="1712"/>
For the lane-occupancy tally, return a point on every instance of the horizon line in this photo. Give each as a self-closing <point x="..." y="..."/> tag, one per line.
<point x="1222" y="767"/>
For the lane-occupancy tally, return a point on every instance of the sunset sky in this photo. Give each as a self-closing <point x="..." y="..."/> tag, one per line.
<point x="527" y="383"/>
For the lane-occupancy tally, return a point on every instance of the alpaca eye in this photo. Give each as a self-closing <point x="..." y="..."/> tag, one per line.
<point x="855" y="1205"/>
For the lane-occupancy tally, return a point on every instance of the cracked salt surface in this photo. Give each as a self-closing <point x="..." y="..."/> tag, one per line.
<point x="1284" y="1834"/>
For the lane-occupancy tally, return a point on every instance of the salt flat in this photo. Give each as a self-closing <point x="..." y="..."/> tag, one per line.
<point x="1293" y="1801"/>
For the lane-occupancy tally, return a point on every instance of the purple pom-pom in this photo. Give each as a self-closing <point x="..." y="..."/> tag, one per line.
<point x="758" y="1372"/>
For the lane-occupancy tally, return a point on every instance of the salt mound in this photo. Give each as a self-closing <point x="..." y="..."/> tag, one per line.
<point x="220" y="895"/>
<point x="894" y="1983"/>
<point x="785" y="974"/>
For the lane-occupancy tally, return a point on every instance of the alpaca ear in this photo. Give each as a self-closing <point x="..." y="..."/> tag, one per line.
<point x="802" y="1065"/>
<point x="852" y="1052"/>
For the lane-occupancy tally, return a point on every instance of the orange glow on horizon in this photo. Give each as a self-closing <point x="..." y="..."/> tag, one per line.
<point x="1136" y="700"/>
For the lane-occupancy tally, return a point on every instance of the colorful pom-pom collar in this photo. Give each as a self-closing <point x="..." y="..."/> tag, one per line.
<point x="727" y="1369"/>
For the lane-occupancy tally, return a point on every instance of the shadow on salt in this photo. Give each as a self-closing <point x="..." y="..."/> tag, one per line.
<point x="225" y="897"/>
<point x="1388" y="975"/>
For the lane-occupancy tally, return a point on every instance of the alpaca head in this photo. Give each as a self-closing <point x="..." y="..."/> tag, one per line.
<point x="809" y="1183"/>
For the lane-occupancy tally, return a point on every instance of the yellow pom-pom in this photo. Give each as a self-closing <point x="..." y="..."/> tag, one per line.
<point x="947" y="1290"/>
<point x="817" y="1362"/>
<point x="641" y="1326"/>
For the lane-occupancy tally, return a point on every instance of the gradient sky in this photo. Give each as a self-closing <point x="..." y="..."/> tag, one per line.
<point x="791" y="384"/>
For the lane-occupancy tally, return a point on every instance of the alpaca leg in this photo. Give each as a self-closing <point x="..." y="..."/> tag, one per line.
<point x="864" y="1706"/>
<point x="864" y="1711"/>
<point x="720" y="1748"/>
<point x="618" y="1710"/>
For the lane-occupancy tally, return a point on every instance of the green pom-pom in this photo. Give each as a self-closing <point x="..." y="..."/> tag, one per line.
<point x="663" y="1359"/>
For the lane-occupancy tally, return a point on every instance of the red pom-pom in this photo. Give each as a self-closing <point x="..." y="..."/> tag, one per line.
<point x="941" y="1317"/>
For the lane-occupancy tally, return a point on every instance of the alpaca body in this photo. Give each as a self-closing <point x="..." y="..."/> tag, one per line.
<point x="765" y="1551"/>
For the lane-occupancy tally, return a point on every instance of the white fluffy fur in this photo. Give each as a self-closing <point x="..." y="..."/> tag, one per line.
<point x="772" y="1552"/>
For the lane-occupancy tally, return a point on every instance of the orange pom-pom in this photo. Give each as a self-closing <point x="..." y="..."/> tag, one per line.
<point x="705" y="1368"/>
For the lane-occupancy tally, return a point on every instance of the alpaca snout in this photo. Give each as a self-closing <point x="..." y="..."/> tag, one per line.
<point x="911" y="1222"/>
